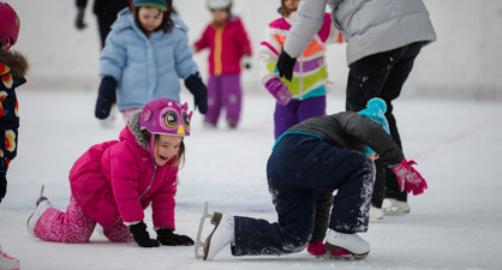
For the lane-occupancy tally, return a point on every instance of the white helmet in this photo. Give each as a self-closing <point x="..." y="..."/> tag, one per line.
<point x="219" y="4"/>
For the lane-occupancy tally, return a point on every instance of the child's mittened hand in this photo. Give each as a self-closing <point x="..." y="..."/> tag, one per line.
<point x="408" y="178"/>
<point x="285" y="65"/>
<point x="141" y="236"/>
<point x="198" y="89"/>
<point x="106" y="97"/>
<point x="316" y="248"/>
<point x="278" y="90"/>
<point x="168" y="238"/>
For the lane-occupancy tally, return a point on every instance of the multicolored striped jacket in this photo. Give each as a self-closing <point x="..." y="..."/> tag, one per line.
<point x="310" y="72"/>
<point x="9" y="117"/>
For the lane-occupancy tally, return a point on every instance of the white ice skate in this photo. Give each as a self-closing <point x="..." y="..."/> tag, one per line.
<point x="8" y="262"/>
<point x="376" y="214"/>
<point x="396" y="208"/>
<point x="221" y="235"/>
<point x="346" y="246"/>
<point x="41" y="205"/>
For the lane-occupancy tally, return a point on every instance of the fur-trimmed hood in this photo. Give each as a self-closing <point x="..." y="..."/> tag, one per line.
<point x="133" y="125"/>
<point x="15" y="61"/>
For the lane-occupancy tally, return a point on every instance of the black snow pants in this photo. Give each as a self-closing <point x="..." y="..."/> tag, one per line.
<point x="382" y="75"/>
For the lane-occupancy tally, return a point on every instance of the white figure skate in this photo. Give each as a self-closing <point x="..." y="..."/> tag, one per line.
<point x="41" y="205"/>
<point x="396" y="208"/>
<point x="376" y="214"/>
<point x="346" y="246"/>
<point x="8" y="262"/>
<point x="221" y="235"/>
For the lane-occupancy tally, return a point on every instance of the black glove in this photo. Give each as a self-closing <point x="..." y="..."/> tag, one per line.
<point x="106" y="97"/>
<point x="199" y="91"/>
<point x="167" y="238"/>
<point x="285" y="65"/>
<point x="141" y="236"/>
<point x="3" y="187"/>
<point x="79" y="21"/>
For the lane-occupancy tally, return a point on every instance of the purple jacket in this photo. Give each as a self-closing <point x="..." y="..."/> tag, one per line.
<point x="115" y="181"/>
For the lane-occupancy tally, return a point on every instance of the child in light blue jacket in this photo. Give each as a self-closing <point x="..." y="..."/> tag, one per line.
<point x="145" y="55"/>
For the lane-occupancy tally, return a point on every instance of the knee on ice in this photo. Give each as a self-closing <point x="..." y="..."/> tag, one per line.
<point x="297" y="242"/>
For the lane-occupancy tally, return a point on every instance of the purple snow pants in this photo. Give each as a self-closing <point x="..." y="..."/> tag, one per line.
<point x="224" y="92"/>
<point x="296" y="111"/>
<point x="74" y="226"/>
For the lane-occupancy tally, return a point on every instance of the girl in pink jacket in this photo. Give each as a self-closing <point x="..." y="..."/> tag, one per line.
<point x="113" y="182"/>
<point x="228" y="42"/>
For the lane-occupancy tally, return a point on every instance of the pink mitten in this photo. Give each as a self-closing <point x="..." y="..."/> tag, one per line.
<point x="409" y="179"/>
<point x="316" y="248"/>
<point x="278" y="90"/>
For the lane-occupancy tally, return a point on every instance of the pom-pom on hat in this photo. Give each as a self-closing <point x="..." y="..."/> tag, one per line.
<point x="375" y="110"/>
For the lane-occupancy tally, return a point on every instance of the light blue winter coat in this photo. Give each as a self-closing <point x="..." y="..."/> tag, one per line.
<point x="146" y="68"/>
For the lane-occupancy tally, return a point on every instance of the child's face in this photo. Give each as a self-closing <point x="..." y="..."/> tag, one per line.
<point x="292" y="5"/>
<point x="166" y="148"/>
<point x="150" y="18"/>
<point x="220" y="16"/>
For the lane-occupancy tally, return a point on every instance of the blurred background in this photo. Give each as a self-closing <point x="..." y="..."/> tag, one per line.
<point x="464" y="64"/>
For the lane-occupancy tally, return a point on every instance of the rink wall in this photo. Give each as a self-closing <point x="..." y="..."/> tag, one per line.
<point x="464" y="64"/>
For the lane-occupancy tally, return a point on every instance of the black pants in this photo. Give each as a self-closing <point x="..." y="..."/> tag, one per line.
<point x="300" y="166"/>
<point x="104" y="27"/>
<point x="382" y="75"/>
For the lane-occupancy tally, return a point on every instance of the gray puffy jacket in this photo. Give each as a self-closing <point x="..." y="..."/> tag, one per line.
<point x="369" y="26"/>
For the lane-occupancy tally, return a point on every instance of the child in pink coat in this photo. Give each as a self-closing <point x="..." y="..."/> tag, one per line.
<point x="113" y="182"/>
<point x="228" y="42"/>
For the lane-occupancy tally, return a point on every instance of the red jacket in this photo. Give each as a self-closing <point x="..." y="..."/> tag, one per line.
<point x="227" y="45"/>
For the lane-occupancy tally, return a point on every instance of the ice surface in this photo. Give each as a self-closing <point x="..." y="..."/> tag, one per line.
<point x="455" y="225"/>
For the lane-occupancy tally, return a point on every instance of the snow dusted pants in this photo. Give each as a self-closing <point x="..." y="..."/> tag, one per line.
<point x="296" y="111"/>
<point x="299" y="167"/>
<point x="224" y="92"/>
<point x="74" y="226"/>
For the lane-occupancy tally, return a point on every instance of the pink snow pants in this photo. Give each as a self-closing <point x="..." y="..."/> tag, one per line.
<point x="74" y="226"/>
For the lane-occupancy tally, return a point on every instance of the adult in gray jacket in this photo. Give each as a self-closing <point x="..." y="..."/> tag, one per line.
<point x="384" y="37"/>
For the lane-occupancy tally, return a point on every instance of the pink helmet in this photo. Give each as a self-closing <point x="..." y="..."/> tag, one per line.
<point x="9" y="22"/>
<point x="165" y="116"/>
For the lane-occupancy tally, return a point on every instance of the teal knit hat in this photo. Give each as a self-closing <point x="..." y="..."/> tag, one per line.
<point x="160" y="4"/>
<point x="375" y="111"/>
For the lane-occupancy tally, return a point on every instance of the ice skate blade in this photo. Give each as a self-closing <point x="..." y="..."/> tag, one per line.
<point x="389" y="212"/>
<point x="216" y="219"/>
<point x="340" y="254"/>
<point x="41" y="199"/>
<point x="198" y="241"/>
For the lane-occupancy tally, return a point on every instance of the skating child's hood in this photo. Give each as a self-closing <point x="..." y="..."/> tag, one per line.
<point x="133" y="125"/>
<point x="125" y="20"/>
<point x="15" y="63"/>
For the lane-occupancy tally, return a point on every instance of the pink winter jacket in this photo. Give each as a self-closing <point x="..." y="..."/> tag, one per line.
<point x="115" y="181"/>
